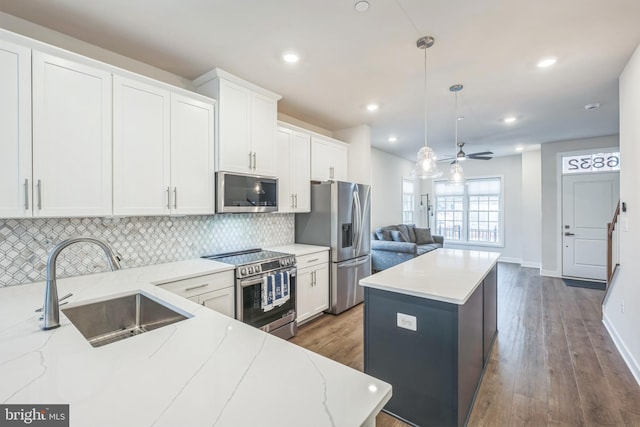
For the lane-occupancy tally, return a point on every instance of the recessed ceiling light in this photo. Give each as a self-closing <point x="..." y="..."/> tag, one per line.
<point x="361" y="6"/>
<point x="372" y="107"/>
<point x="460" y="117"/>
<point x="392" y="139"/>
<point x="546" y="62"/>
<point x="520" y="148"/>
<point x="593" y="106"/>
<point x="509" y="119"/>
<point x="290" y="57"/>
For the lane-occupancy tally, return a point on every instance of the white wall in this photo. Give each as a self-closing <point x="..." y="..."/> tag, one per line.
<point x="551" y="232"/>
<point x="305" y="125"/>
<point x="531" y="209"/>
<point x="387" y="172"/>
<point x="359" y="140"/>
<point x="46" y="35"/>
<point x="510" y="169"/>
<point x="622" y="306"/>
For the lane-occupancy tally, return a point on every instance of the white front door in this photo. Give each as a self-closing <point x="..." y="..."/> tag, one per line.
<point x="588" y="203"/>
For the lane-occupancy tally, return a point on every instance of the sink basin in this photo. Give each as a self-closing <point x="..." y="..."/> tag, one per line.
<point x="106" y="321"/>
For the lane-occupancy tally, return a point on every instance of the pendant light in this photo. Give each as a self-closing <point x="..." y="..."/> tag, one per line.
<point x="426" y="166"/>
<point x="456" y="173"/>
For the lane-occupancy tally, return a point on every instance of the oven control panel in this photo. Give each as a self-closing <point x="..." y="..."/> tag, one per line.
<point x="265" y="267"/>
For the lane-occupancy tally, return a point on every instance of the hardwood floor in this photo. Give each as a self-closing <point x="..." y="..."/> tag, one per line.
<point x="553" y="362"/>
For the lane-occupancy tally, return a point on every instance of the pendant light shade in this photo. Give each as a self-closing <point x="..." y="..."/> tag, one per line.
<point x="456" y="172"/>
<point x="426" y="165"/>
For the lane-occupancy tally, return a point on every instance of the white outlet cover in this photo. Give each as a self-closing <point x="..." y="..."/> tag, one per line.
<point x="406" y="321"/>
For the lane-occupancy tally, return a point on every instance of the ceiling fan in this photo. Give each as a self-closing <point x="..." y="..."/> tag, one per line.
<point x="461" y="155"/>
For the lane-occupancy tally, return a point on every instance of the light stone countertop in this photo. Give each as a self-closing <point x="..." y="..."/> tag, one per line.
<point x="299" y="249"/>
<point x="209" y="370"/>
<point x="448" y="275"/>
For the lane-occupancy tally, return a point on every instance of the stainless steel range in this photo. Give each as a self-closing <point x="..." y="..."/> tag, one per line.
<point x="265" y="289"/>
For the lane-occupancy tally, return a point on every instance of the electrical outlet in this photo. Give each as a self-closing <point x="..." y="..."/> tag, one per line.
<point x="407" y="321"/>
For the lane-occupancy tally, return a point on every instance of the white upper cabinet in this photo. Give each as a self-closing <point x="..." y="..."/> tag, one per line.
<point x="246" y="123"/>
<point x="15" y="131"/>
<point x="141" y="148"/>
<point x="293" y="160"/>
<point x="71" y="138"/>
<point x="163" y="151"/>
<point x="192" y="157"/>
<point x="329" y="159"/>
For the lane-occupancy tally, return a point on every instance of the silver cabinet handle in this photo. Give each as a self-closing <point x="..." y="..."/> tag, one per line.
<point x="196" y="287"/>
<point x="569" y="234"/>
<point x="296" y="197"/>
<point x="313" y="260"/>
<point x="175" y="197"/>
<point x="168" y="197"/>
<point x="39" y="195"/>
<point x="292" y="205"/>
<point x="250" y="160"/>
<point x="255" y="163"/>
<point x="26" y="194"/>
<point x="331" y="172"/>
<point x="314" y="277"/>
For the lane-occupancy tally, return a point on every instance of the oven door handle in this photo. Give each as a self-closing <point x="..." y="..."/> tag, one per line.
<point x="252" y="282"/>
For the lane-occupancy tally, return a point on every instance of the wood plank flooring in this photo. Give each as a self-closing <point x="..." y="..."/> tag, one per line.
<point x="553" y="362"/>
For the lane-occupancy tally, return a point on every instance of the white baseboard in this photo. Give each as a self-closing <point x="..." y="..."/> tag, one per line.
<point x="551" y="273"/>
<point x="628" y="358"/>
<point x="528" y="264"/>
<point x="510" y="260"/>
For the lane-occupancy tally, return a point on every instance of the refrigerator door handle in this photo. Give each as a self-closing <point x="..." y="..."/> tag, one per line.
<point x="358" y="220"/>
<point x="350" y="264"/>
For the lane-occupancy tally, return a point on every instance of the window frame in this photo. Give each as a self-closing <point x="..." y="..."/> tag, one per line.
<point x="413" y="200"/>
<point x="466" y="215"/>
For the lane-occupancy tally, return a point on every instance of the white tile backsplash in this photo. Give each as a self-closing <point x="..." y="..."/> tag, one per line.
<point x="25" y="243"/>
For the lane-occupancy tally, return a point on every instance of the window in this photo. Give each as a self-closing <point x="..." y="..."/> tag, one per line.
<point x="470" y="213"/>
<point x="407" y="201"/>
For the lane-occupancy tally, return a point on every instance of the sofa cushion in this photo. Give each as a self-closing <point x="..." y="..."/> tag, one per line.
<point x="423" y="236"/>
<point x="423" y="249"/>
<point x="397" y="236"/>
<point x="384" y="235"/>
<point x="404" y="229"/>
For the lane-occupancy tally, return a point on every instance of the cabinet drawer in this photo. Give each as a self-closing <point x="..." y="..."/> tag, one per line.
<point x="312" y="259"/>
<point x="200" y="285"/>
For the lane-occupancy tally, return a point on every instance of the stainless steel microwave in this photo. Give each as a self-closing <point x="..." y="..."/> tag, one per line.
<point x="239" y="193"/>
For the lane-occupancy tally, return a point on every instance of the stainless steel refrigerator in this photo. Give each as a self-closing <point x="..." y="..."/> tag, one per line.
<point x="340" y="219"/>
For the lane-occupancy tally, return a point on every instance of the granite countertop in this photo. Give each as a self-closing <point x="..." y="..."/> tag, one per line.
<point x="448" y="275"/>
<point x="207" y="370"/>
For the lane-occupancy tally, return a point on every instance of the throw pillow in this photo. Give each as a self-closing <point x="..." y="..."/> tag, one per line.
<point x="423" y="236"/>
<point x="402" y="228"/>
<point x="384" y="235"/>
<point x="397" y="236"/>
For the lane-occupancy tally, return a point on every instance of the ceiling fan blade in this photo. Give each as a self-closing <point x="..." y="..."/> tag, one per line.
<point x="479" y="158"/>
<point x="482" y="153"/>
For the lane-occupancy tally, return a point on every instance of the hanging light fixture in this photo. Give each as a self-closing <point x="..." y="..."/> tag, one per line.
<point x="456" y="173"/>
<point x="426" y="166"/>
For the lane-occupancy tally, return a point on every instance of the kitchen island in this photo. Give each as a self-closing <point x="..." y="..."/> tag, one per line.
<point x="429" y="325"/>
<point x="207" y="370"/>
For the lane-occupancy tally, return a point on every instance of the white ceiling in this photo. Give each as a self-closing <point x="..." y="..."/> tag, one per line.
<point x="349" y="59"/>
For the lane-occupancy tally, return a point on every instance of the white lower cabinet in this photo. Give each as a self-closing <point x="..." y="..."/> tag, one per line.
<point x="312" y="283"/>
<point x="214" y="291"/>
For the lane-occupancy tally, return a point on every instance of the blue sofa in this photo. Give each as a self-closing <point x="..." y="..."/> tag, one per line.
<point x="394" y="244"/>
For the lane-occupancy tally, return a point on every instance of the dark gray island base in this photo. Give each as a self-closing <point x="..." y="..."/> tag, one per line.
<point x="435" y="370"/>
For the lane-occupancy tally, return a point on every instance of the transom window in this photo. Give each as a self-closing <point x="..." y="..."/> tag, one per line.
<point x="470" y="213"/>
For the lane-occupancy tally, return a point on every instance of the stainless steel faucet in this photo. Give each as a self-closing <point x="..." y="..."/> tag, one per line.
<point x="51" y="315"/>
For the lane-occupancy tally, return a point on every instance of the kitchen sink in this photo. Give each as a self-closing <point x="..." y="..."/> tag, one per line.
<point x="107" y="321"/>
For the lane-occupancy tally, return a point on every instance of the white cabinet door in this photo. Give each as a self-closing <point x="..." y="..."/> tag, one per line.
<point x="221" y="301"/>
<point x="283" y="150"/>
<point x="264" y="112"/>
<point x="192" y="178"/>
<point x="304" y="282"/>
<point x="234" y="144"/>
<point x="71" y="138"/>
<point x="329" y="160"/>
<point x="319" y="295"/>
<point x="15" y="131"/>
<point x="300" y="164"/>
<point x="141" y="148"/>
